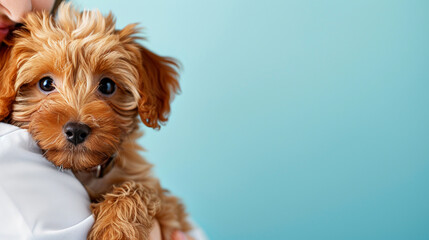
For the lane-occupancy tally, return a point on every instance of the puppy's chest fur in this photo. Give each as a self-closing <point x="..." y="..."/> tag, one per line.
<point x="127" y="165"/>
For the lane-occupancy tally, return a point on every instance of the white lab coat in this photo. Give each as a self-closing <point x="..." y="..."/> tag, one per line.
<point x="36" y="200"/>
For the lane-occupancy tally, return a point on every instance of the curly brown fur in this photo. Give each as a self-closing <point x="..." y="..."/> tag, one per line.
<point x="130" y="207"/>
<point x="77" y="50"/>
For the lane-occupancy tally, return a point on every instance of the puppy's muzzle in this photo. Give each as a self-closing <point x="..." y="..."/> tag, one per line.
<point x="76" y="133"/>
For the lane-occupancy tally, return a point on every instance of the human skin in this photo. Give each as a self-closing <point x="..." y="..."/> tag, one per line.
<point x="11" y="13"/>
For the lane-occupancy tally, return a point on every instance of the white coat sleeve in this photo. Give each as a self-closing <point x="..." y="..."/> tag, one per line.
<point x="36" y="200"/>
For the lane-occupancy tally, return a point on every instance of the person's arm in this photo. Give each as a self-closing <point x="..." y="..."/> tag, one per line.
<point x="37" y="201"/>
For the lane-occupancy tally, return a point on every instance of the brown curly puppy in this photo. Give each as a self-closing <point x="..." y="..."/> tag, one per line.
<point x="78" y="85"/>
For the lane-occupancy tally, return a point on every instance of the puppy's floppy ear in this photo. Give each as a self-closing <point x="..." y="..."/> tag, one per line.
<point x="158" y="85"/>
<point x="7" y="81"/>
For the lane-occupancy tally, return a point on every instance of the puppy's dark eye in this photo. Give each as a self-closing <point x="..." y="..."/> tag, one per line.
<point x="46" y="84"/>
<point x="106" y="86"/>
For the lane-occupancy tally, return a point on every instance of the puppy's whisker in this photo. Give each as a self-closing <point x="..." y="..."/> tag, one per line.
<point x="60" y="168"/>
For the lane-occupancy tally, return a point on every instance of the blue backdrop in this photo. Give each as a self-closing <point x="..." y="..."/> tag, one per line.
<point x="297" y="119"/>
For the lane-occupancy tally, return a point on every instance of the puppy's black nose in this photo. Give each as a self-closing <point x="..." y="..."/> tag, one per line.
<point x="76" y="133"/>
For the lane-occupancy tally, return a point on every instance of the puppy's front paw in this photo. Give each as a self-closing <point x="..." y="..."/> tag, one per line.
<point x="125" y="213"/>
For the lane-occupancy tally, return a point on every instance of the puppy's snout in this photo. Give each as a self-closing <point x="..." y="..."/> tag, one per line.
<point x="76" y="133"/>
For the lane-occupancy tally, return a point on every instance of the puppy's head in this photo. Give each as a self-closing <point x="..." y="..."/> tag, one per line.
<point x="78" y="85"/>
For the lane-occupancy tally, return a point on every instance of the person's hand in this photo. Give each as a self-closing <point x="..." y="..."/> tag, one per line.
<point x="178" y="235"/>
<point x="155" y="234"/>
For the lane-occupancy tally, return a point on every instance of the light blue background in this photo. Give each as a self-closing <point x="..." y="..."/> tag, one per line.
<point x="297" y="119"/>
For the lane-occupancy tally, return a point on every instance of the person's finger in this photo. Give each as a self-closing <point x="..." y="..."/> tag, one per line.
<point x="155" y="233"/>
<point x="178" y="235"/>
